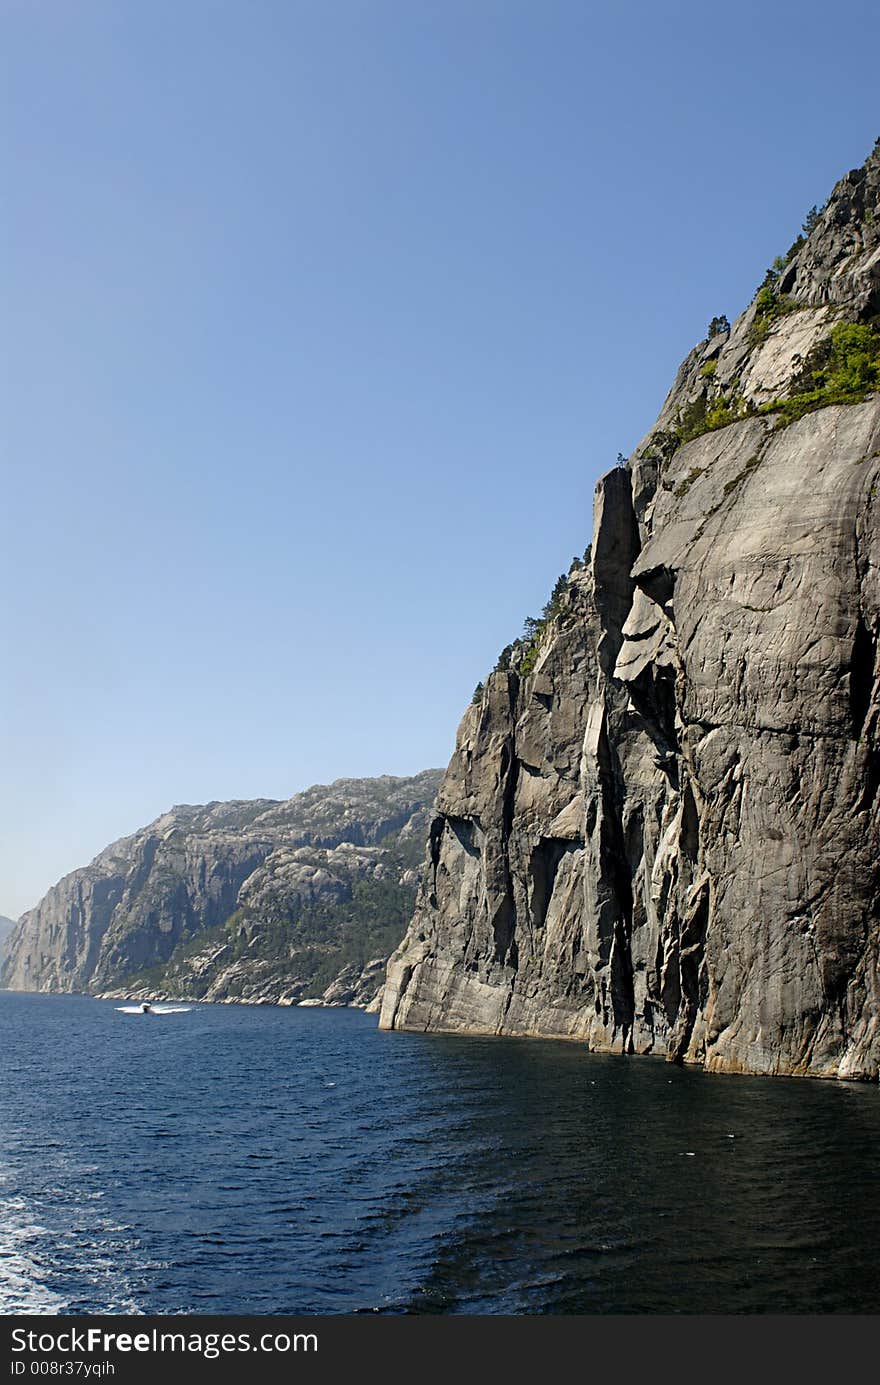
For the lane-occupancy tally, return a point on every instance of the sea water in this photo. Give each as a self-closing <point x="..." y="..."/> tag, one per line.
<point x="226" y="1159"/>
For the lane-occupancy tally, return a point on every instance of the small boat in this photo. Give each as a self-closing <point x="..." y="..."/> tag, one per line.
<point x="147" y="1008"/>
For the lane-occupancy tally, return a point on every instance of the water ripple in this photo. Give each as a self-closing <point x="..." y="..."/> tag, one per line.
<point x="281" y="1161"/>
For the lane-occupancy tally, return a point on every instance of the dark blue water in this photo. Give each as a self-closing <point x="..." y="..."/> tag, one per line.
<point x="258" y="1160"/>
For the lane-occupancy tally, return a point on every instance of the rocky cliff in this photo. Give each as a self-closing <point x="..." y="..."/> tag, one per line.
<point x="660" y="829"/>
<point x="247" y="900"/>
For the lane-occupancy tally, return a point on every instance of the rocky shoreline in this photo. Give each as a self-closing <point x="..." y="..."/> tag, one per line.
<point x="354" y="988"/>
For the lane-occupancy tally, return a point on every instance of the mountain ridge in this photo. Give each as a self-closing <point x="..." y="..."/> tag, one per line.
<point x="207" y="900"/>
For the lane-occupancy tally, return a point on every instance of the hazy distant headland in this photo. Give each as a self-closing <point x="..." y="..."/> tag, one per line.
<point x="6" y="927"/>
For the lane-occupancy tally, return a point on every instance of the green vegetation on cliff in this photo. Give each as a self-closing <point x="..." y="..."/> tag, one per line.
<point x="299" y="951"/>
<point x="522" y="654"/>
<point x="841" y="369"/>
<point x="705" y="416"/>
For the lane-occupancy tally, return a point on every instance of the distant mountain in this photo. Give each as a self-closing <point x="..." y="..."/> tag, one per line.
<point x="6" y="927"/>
<point x="247" y="900"/>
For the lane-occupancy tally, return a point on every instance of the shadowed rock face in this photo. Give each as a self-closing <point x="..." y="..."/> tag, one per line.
<point x="666" y="837"/>
<point x="251" y="867"/>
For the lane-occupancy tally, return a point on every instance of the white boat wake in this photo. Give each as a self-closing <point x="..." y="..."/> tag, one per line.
<point x="56" y="1245"/>
<point x="153" y="1010"/>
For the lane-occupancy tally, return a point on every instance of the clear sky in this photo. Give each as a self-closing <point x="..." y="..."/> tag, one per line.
<point x="321" y="320"/>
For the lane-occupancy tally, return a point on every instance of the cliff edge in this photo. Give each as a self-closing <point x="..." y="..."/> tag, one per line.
<point x="660" y="829"/>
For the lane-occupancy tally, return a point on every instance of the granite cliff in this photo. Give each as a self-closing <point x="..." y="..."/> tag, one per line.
<point x="660" y="829"/>
<point x="248" y="901"/>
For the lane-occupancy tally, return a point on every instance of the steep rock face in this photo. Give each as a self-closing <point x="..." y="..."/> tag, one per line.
<point x="228" y="873"/>
<point x="663" y="833"/>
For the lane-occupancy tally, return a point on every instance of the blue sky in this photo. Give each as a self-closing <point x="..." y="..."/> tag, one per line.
<point x="322" y="320"/>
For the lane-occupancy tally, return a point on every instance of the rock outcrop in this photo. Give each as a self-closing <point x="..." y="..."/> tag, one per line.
<point x="660" y="829"/>
<point x="238" y="901"/>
